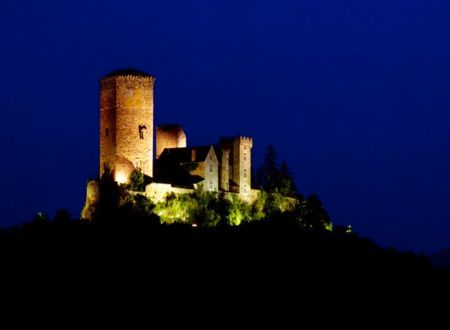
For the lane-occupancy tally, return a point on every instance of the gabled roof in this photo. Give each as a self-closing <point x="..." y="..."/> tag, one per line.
<point x="185" y="155"/>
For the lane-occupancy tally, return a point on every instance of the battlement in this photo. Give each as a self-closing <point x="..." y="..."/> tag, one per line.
<point x="246" y="140"/>
<point x="129" y="74"/>
<point x="241" y="139"/>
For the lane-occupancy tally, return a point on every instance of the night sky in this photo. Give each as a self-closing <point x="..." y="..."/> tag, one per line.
<point x="355" y="96"/>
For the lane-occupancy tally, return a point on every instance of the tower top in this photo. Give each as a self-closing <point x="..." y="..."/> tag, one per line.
<point x="240" y="139"/>
<point x="128" y="72"/>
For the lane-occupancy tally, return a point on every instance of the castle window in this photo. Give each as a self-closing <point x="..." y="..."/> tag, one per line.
<point x="245" y="172"/>
<point x="245" y="188"/>
<point x="106" y="132"/>
<point x="245" y="156"/>
<point x="141" y="131"/>
<point x="210" y="168"/>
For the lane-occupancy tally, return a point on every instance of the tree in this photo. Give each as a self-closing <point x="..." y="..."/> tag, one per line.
<point x="286" y="182"/>
<point x="62" y="216"/>
<point x="238" y="211"/>
<point x="268" y="173"/>
<point x="207" y="211"/>
<point x="137" y="180"/>
<point x="314" y="214"/>
<point x="109" y="196"/>
<point x="274" y="178"/>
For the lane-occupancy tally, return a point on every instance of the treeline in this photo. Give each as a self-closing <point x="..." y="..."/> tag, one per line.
<point x="130" y="239"/>
<point x="273" y="249"/>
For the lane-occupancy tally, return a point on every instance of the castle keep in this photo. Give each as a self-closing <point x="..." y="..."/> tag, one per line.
<point x="126" y="123"/>
<point x="126" y="144"/>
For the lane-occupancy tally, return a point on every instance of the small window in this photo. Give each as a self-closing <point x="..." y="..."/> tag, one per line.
<point x="245" y="188"/>
<point x="141" y="128"/>
<point x="245" y="156"/>
<point x="210" y="168"/>
<point x="245" y="172"/>
<point x="107" y="132"/>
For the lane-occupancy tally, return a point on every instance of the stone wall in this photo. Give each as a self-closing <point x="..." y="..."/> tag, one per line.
<point x="224" y="169"/>
<point x="249" y="197"/>
<point x="240" y="162"/>
<point x="126" y="124"/>
<point x="211" y="172"/>
<point x="92" y="197"/>
<point x="158" y="192"/>
<point x="169" y="136"/>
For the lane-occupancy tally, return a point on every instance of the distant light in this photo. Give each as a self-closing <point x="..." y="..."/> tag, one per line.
<point x="121" y="177"/>
<point x="194" y="225"/>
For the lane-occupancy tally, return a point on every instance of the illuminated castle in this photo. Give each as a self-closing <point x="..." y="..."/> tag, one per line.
<point x="127" y="143"/>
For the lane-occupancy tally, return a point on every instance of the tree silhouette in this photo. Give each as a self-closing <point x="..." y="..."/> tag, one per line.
<point x="286" y="182"/>
<point x="109" y="196"/>
<point x="268" y="173"/>
<point x="275" y="178"/>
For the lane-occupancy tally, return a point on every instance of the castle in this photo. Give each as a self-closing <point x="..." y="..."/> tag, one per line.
<point x="127" y="143"/>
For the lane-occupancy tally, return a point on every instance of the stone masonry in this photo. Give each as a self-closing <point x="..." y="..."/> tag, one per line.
<point x="126" y="123"/>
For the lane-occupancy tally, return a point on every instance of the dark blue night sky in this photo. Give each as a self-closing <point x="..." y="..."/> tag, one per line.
<point x="355" y="96"/>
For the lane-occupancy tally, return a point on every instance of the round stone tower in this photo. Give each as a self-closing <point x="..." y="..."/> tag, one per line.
<point x="169" y="136"/>
<point x="126" y="123"/>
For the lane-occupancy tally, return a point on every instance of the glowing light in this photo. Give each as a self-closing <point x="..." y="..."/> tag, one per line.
<point x="194" y="225"/>
<point x="121" y="177"/>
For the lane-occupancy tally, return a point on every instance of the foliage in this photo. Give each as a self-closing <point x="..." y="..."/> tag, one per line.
<point x="238" y="211"/>
<point x="259" y="206"/>
<point x="116" y="201"/>
<point x="205" y="209"/>
<point x="286" y="186"/>
<point x="62" y="216"/>
<point x="275" y="178"/>
<point x="313" y="214"/>
<point x="109" y="196"/>
<point x="176" y="209"/>
<point x="138" y="180"/>
<point x="268" y="173"/>
<point x="209" y="209"/>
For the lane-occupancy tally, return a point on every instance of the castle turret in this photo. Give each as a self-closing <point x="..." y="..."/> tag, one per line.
<point x="169" y="136"/>
<point x="240" y="162"/>
<point x="126" y="123"/>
